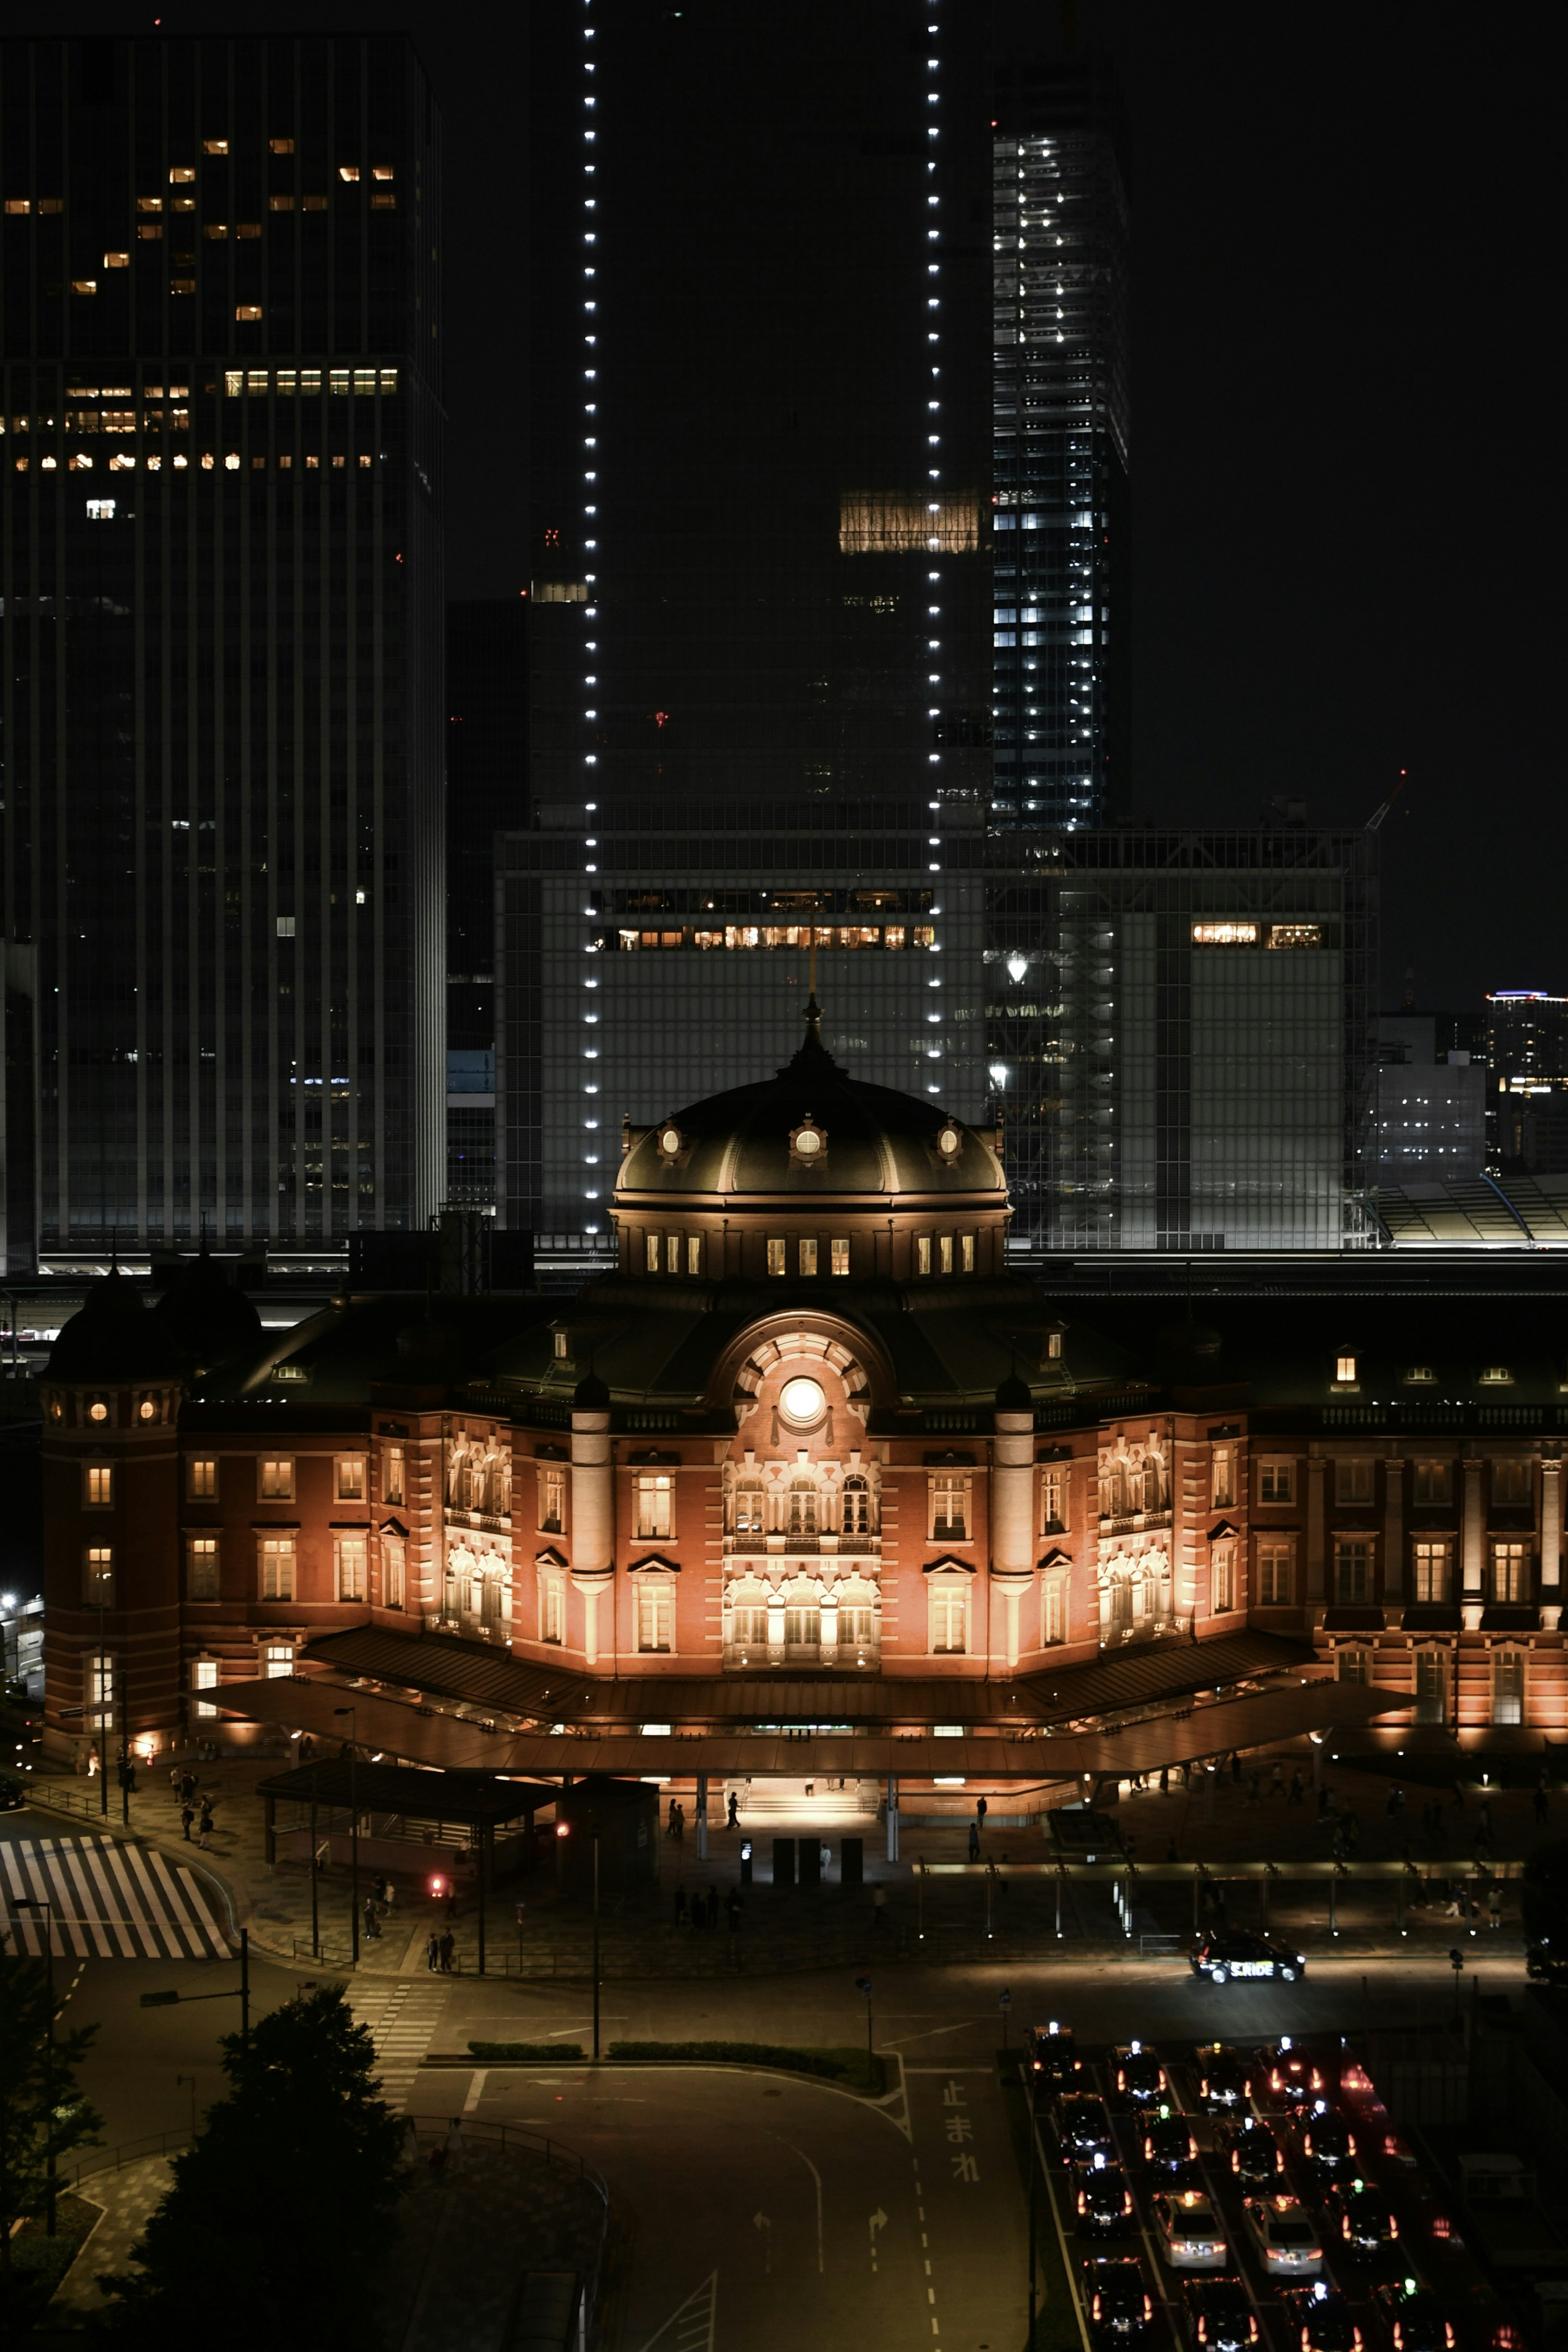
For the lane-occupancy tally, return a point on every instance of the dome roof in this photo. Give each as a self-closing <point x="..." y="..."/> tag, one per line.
<point x="113" y="1338"/>
<point x="209" y="1319"/>
<point x="814" y="1132"/>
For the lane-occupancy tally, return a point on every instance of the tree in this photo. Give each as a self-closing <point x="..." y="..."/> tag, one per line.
<point x="1545" y="1904"/>
<point x="281" y="2215"/>
<point x="41" y="2110"/>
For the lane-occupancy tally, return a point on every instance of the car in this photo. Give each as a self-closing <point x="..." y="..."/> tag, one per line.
<point x="1255" y="2155"/>
<point x="1412" y="2317"/>
<point x="1082" y="2128"/>
<point x="1328" y="2144"/>
<point x="1290" y="2075"/>
<point x="1190" y="2232"/>
<point x="1360" y="2217"/>
<point x="1119" y="2305"/>
<point x="1102" y="2199"/>
<point x="1224" y="2079"/>
<point x="1283" y="2233"/>
<point x="1318" y="2319"/>
<point x="1229" y="1952"/>
<point x="1219" y="2315"/>
<point x="1140" y="2077"/>
<point x="13" y="1795"/>
<point x="1050" y="2055"/>
<point x="1168" y="2145"/>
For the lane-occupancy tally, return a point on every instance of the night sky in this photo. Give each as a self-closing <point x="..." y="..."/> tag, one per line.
<point x="1347" y="470"/>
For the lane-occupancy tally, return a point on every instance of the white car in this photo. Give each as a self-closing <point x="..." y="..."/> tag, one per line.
<point x="1285" y="2235"/>
<point x="1189" y="2230"/>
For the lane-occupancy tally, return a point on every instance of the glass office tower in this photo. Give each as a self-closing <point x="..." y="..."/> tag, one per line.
<point x="1060" y="238"/>
<point x="219" y="562"/>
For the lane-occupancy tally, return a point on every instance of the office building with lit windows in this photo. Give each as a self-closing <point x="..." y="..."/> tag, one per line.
<point x="220" y="563"/>
<point x="1060" y="262"/>
<point x="760" y="420"/>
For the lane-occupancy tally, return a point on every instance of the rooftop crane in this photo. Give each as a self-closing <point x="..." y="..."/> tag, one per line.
<point x="1374" y="821"/>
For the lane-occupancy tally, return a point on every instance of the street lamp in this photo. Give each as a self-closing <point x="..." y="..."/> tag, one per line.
<point x="42" y="1903"/>
<point x="353" y="1828"/>
<point x="240" y="1992"/>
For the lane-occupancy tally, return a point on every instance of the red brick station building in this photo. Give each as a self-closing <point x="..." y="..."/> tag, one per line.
<point x="811" y="1464"/>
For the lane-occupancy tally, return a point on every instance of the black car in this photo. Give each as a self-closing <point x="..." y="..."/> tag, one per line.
<point x="1234" y="1952"/>
<point x="1119" y="2304"/>
<point x="1168" y="2146"/>
<point x="1255" y="2155"/>
<point x="1100" y="2199"/>
<point x="1224" y="2079"/>
<point x="1412" y="2317"/>
<point x="1328" y="2144"/>
<point x="1219" y="2315"/>
<point x="1290" y="2075"/>
<point x="1140" y="2077"/>
<point x="1359" y="2217"/>
<point x="1082" y="2128"/>
<point x="1050" y="2055"/>
<point x="1318" y="2319"/>
<point x="13" y="1795"/>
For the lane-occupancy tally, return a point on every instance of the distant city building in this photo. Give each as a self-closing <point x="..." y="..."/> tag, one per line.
<point x="19" y="1113"/>
<point x="760" y="405"/>
<point x="220" y="574"/>
<point x="1172" y="1028"/>
<point x="486" y="791"/>
<point x="1431" y="1103"/>
<point x="1062" y="449"/>
<point x="1528" y="1052"/>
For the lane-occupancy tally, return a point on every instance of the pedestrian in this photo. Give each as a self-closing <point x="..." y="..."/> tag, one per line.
<point x="981" y="1809"/>
<point x="974" y="1841"/>
<point x="372" y="1919"/>
<point x="1494" y="1903"/>
<point x="680" y="1906"/>
<point x="187" y="1815"/>
<point x="452" y="1898"/>
<point x="1277" y="1780"/>
<point x="390" y="1896"/>
<point x="1298" y="1795"/>
<point x="733" y="1811"/>
<point x="456" y="2146"/>
<point x="175" y="1780"/>
<point x="733" y="1907"/>
<point x="448" y="1952"/>
<point x="1165" y="1779"/>
<point x="713" y="1906"/>
<point x="824" y="1860"/>
<point x="204" y="1830"/>
<point x="307" y="1749"/>
<point x="379" y="1887"/>
<point x="674" y="1816"/>
<point x="878" y="1906"/>
<point x="188" y="1788"/>
<point x="432" y="1952"/>
<point x="680" y="1824"/>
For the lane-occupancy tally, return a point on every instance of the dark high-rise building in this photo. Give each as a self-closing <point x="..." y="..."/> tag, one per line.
<point x="219" y="560"/>
<point x="1060" y="385"/>
<point x="762" y="402"/>
<point x="486" y="790"/>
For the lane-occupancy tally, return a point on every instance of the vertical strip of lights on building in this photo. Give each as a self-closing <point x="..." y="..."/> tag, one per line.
<point x="591" y="1019"/>
<point x="934" y="442"/>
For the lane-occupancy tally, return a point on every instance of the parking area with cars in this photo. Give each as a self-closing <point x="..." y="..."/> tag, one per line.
<point x="1232" y="2195"/>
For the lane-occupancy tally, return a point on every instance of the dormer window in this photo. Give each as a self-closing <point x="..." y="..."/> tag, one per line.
<point x="670" y="1141"/>
<point x="1344" y="1365"/>
<point x="562" y="1346"/>
<point x="1496" y="1376"/>
<point x="1421" y="1375"/>
<point x="949" y="1143"/>
<point x="1055" y="1340"/>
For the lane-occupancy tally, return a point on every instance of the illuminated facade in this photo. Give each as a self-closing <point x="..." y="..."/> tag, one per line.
<point x="808" y="1426"/>
<point x="1527" y="1051"/>
<point x="1062" y="451"/>
<point x="220" y="569"/>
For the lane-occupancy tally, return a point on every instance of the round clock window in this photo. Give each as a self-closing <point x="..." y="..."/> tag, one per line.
<point x="949" y="1143"/>
<point x="802" y="1401"/>
<point x="670" y="1142"/>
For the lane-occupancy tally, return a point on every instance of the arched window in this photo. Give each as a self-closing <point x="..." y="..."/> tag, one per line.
<point x="802" y="1617"/>
<point x="749" y="1618"/>
<point x="857" y="1505"/>
<point x="803" y="1507"/>
<point x="857" y="1620"/>
<point x="748" y="1507"/>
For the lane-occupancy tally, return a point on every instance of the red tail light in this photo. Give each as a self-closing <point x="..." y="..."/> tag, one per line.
<point x="1126" y="2202"/>
<point x="1095" y="2309"/>
<point x="1148" y="2308"/>
<point x="1202" y="2327"/>
<point x="1235" y="2159"/>
<point x="1082" y="2204"/>
<point x="1344" y="2225"/>
<point x="1442" y="2227"/>
<point x="1349" y="2142"/>
<point x="1252" y="2328"/>
<point x="1393" y="2226"/>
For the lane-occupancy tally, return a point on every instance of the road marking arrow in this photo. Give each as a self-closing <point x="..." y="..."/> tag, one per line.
<point x="760" y="2221"/>
<point x="878" y="2221"/>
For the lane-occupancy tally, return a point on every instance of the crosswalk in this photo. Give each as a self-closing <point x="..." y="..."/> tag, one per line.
<point x="109" y="1901"/>
<point x="403" y="2018"/>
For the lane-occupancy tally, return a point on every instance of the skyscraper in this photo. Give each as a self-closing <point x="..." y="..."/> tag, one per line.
<point x="760" y="405"/>
<point x="486" y="789"/>
<point x="219" y="560"/>
<point x="1061" y="235"/>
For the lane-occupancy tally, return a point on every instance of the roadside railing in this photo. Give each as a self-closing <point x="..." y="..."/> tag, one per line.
<point x="131" y="2151"/>
<point x="556" y="2154"/>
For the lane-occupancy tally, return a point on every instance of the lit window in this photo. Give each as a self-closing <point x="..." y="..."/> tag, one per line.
<point x="1053" y="1493"/>
<point x="99" y="1594"/>
<point x="1509" y="1572"/>
<point x="1353" y="1568"/>
<point x="277" y="1567"/>
<point x="1422" y="1375"/>
<point x="808" y="1259"/>
<point x="348" y="171"/>
<point x="949" y="1617"/>
<point x="892" y="522"/>
<point x="552" y="1501"/>
<point x="84" y="286"/>
<point x="944" y="1252"/>
<point x="281" y="146"/>
<point x="694" y="1253"/>
<point x="562" y="1347"/>
<point x="180" y="173"/>
<point x="201" y="1567"/>
<point x="313" y="204"/>
<point x="1222" y="1578"/>
<point x="18" y="205"/>
<point x="352" y="1553"/>
<point x="382" y="172"/>
<point x="778" y="1257"/>
<point x="100" y="1483"/>
<point x="247" y="310"/>
<point x="391" y="1475"/>
<point x="949" y="1507"/>
<point x="202" y="1479"/>
<point x="654" y="1247"/>
<point x="1295" y="935"/>
<point x="840" y="1259"/>
<point x="654" y="1615"/>
<point x="214" y="146"/>
<point x="1496" y="1376"/>
<point x="552" y="1605"/>
<point x="117" y="261"/>
<point x="280" y="204"/>
<point x="1054" y="1342"/>
<point x="1053" y="1613"/>
<point x="100" y="1679"/>
<point x="1225" y="935"/>
<point x="1222" y="1495"/>
<point x="748" y="1507"/>
<point x="384" y="204"/>
<point x="673" y="1252"/>
<point x="1276" y="1482"/>
<point x="655" y="1496"/>
<point x="248" y="228"/>
<point x="149" y="203"/>
<point x="923" y="1254"/>
<point x="1353" y="1666"/>
<point x="1344" y="1368"/>
<point x="1354" y="1480"/>
<point x="967" y="1252"/>
<point x="1508" y="1686"/>
<point x="277" y="1480"/>
<point x="285" y="922"/>
<point x="1430" y="1558"/>
<point x="1274" y="1577"/>
<point x="98" y="1409"/>
<point x="276" y="1660"/>
<point x="205" y="1678"/>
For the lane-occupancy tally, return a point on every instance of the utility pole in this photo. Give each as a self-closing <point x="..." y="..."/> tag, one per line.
<point x="353" y="1828"/>
<point x="41" y="1903"/>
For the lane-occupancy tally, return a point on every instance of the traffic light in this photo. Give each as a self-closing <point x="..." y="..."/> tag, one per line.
<point x="437" y="1888"/>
